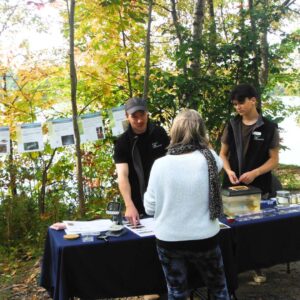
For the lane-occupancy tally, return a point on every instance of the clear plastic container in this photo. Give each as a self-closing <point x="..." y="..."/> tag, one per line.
<point x="87" y="237"/>
<point x="244" y="204"/>
<point x="294" y="199"/>
<point x="298" y="198"/>
<point x="283" y="198"/>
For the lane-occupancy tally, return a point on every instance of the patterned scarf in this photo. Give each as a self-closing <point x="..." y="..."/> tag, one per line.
<point x="215" y="199"/>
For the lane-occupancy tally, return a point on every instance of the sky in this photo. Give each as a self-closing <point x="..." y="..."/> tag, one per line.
<point x="11" y="49"/>
<point x="54" y="38"/>
<point x="290" y="135"/>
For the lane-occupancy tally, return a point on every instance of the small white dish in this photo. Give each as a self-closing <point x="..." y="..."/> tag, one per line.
<point x="115" y="227"/>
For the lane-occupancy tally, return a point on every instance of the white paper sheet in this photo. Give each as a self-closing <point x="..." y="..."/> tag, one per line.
<point x="145" y="228"/>
<point x="30" y="137"/>
<point x="4" y="140"/>
<point x="92" y="127"/>
<point x="119" y="122"/>
<point x="61" y="132"/>
<point x="92" y="227"/>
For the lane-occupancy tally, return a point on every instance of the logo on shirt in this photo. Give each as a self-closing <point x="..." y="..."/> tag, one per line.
<point x="257" y="136"/>
<point x="156" y="145"/>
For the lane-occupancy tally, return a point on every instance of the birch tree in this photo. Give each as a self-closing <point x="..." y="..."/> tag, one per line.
<point x="147" y="52"/>
<point x="73" y="76"/>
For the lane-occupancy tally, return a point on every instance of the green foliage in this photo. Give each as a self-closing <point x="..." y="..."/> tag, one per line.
<point x="289" y="176"/>
<point x="20" y="222"/>
<point x="100" y="178"/>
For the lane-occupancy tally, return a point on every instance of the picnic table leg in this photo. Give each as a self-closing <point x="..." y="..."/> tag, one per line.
<point x="288" y="268"/>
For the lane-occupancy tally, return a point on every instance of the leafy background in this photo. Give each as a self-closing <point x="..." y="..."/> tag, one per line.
<point x="197" y="51"/>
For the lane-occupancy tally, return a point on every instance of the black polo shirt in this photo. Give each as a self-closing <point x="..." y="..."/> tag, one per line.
<point x="151" y="145"/>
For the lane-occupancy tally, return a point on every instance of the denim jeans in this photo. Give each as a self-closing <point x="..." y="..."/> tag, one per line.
<point x="208" y="263"/>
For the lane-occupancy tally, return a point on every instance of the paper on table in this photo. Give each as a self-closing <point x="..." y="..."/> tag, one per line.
<point x="92" y="227"/>
<point x="145" y="228"/>
<point x="223" y="226"/>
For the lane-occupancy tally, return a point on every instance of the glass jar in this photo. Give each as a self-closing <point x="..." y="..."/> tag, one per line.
<point x="283" y="197"/>
<point x="294" y="199"/>
<point x="298" y="198"/>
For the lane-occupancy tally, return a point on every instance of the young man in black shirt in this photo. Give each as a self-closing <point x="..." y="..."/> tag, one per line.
<point x="250" y="143"/>
<point x="134" y="154"/>
<point x="250" y="147"/>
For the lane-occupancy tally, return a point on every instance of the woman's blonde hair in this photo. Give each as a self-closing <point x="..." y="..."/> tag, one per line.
<point x="188" y="128"/>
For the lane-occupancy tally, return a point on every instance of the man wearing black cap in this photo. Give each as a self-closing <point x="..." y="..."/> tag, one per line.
<point x="135" y="152"/>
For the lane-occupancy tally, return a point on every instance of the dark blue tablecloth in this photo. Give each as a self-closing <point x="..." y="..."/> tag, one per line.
<point x="124" y="266"/>
<point x="129" y="266"/>
<point x="272" y="238"/>
<point x="99" y="269"/>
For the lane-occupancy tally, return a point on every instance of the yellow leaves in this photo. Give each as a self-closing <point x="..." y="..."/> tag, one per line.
<point x="106" y="90"/>
<point x="34" y="155"/>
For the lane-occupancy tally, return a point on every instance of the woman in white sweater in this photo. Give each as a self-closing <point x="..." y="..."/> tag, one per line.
<point x="183" y="194"/>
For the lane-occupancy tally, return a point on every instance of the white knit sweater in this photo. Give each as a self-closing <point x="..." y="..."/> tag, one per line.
<point x="177" y="196"/>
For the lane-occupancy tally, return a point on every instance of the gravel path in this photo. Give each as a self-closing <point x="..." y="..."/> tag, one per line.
<point x="279" y="286"/>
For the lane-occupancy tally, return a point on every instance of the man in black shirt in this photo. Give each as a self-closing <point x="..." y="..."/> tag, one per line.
<point x="250" y="143"/>
<point x="135" y="152"/>
<point x="250" y="147"/>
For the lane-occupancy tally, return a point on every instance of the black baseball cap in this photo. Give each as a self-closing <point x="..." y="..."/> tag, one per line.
<point x="134" y="104"/>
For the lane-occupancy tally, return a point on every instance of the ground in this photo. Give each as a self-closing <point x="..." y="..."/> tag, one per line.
<point x="279" y="286"/>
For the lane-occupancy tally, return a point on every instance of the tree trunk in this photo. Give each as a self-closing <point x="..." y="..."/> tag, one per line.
<point x="213" y="31"/>
<point x="147" y="52"/>
<point x="186" y="94"/>
<point x="11" y="167"/>
<point x="196" y="52"/>
<point x="253" y="21"/>
<point x="12" y="188"/>
<point x="264" y="49"/>
<point x="73" y="76"/>
<point x="126" y="60"/>
<point x="197" y="34"/>
<point x="212" y="35"/>
<point x="44" y="184"/>
<point x="241" y="50"/>
<point x="178" y="31"/>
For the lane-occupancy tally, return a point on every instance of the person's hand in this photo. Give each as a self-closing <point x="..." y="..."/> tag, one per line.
<point x="232" y="177"/>
<point x="132" y="215"/>
<point x="248" y="177"/>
